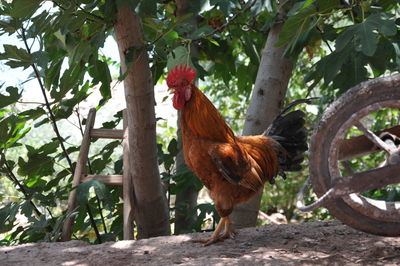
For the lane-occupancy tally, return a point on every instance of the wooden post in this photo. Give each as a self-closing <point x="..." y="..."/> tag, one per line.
<point x="127" y="184"/>
<point x="79" y="168"/>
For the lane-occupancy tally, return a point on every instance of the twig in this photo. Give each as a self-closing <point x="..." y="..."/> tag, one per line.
<point x="52" y="117"/>
<point x="53" y="120"/>
<point x="227" y="23"/>
<point x="324" y="40"/>
<point x="84" y="11"/>
<point x="38" y="103"/>
<point x="93" y="223"/>
<point x="14" y="179"/>
<point x="88" y="13"/>
<point x="101" y="213"/>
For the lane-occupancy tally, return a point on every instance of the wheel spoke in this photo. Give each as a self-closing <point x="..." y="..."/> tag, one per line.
<point x="372" y="137"/>
<point x="367" y="180"/>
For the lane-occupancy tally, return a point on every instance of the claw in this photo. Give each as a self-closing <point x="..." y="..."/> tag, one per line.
<point x="206" y="241"/>
<point x="223" y="225"/>
<point x="229" y="234"/>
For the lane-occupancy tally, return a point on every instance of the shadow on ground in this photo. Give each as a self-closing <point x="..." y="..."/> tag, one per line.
<point x="319" y="243"/>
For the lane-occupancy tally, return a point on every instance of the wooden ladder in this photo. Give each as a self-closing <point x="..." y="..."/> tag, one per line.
<point x="123" y="180"/>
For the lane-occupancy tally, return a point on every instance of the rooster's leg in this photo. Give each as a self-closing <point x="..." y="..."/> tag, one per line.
<point x="229" y="232"/>
<point x="223" y="225"/>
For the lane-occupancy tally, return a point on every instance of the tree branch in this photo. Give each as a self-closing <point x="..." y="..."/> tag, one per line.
<point x="84" y="11"/>
<point x="249" y="5"/>
<point x="93" y="223"/>
<point x="52" y="117"/>
<point x="88" y="13"/>
<point x="14" y="179"/>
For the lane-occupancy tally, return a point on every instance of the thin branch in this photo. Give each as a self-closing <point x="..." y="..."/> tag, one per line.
<point x="227" y="23"/>
<point x="14" y="179"/>
<point x="93" y="223"/>
<point x="52" y="117"/>
<point x="324" y="40"/>
<point x="38" y="103"/>
<point x="84" y="11"/>
<point x="88" y="13"/>
<point x="101" y="214"/>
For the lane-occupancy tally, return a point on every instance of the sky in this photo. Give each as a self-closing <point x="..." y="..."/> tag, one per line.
<point x="31" y="92"/>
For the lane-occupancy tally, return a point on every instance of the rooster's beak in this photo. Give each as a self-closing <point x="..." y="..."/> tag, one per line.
<point x="171" y="90"/>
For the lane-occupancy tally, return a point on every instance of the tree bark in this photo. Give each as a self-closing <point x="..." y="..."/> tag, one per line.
<point x="151" y="209"/>
<point x="186" y="201"/>
<point x="266" y="101"/>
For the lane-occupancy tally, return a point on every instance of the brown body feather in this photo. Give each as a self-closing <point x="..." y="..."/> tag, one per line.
<point x="232" y="168"/>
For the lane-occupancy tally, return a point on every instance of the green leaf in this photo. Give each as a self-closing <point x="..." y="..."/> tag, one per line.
<point x="383" y="22"/>
<point x="202" y="31"/>
<point x="331" y="64"/>
<point x="100" y="189"/>
<point x="39" y="164"/>
<point x="7" y="27"/>
<point x="345" y="37"/>
<point x="368" y="39"/>
<point x="180" y="55"/>
<point x="24" y="8"/>
<point x="12" y="52"/>
<point x="184" y="179"/>
<point x="148" y="7"/>
<point x="173" y="147"/>
<point x="295" y="25"/>
<point x="352" y="73"/>
<point x="251" y="50"/>
<point x="365" y="33"/>
<point x="7" y="216"/>
<point x="300" y="19"/>
<point x="81" y="51"/>
<point x="383" y="56"/>
<point x="52" y="74"/>
<point x="11" y="130"/>
<point x="31" y="114"/>
<point x="49" y="148"/>
<point x="102" y="74"/>
<point x="17" y="64"/>
<point x="26" y="208"/>
<point x="40" y="58"/>
<point x="70" y="78"/>
<point x="13" y="97"/>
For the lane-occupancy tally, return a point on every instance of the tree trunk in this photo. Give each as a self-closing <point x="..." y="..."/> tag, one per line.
<point x="151" y="209"/>
<point x="265" y="103"/>
<point x="186" y="201"/>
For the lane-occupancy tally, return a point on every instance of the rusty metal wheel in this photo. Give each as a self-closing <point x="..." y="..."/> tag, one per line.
<point x="343" y="139"/>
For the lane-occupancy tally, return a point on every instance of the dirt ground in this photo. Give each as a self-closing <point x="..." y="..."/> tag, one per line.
<point x="317" y="243"/>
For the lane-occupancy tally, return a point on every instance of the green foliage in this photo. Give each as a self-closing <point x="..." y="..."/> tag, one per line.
<point x="335" y="45"/>
<point x="60" y="45"/>
<point x="369" y="34"/>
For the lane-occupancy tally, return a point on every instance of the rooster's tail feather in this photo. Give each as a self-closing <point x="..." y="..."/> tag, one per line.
<point x="290" y="132"/>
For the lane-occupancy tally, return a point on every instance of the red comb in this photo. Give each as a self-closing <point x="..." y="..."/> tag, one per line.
<point x="180" y="73"/>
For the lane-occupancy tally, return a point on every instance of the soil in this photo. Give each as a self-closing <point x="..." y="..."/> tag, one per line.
<point x="316" y="243"/>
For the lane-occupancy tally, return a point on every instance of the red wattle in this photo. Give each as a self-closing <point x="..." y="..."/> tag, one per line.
<point x="178" y="101"/>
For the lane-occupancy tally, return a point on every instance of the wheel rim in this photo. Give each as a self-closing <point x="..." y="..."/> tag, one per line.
<point x="375" y="209"/>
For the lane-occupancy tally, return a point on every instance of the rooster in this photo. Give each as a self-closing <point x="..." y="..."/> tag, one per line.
<point x="232" y="168"/>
